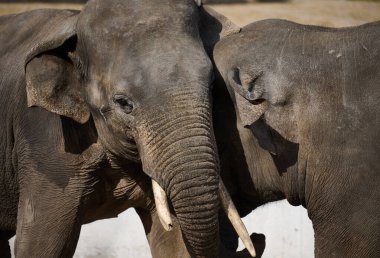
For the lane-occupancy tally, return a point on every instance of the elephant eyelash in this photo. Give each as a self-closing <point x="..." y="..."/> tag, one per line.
<point x="103" y="110"/>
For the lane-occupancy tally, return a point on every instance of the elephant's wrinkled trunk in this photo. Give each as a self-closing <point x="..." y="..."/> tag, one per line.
<point x="179" y="153"/>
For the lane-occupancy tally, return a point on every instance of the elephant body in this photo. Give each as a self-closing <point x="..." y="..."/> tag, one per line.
<point x="306" y="127"/>
<point x="53" y="171"/>
<point x="94" y="105"/>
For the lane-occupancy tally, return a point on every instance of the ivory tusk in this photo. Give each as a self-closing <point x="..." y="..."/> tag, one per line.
<point x="162" y="206"/>
<point x="234" y="217"/>
<point x="198" y="2"/>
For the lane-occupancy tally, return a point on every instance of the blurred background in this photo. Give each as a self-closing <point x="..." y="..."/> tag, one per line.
<point x="288" y="230"/>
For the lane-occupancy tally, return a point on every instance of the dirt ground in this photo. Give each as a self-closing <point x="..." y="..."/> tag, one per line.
<point x="327" y="13"/>
<point x="335" y="13"/>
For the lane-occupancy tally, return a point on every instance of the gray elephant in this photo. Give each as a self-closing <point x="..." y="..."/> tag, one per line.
<point x="306" y="127"/>
<point x="89" y="101"/>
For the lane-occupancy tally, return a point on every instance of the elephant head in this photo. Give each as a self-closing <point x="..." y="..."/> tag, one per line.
<point x="140" y="70"/>
<point x="264" y="89"/>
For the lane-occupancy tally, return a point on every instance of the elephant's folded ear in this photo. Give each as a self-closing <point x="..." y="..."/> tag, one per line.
<point x="248" y="112"/>
<point x="214" y="26"/>
<point x="250" y="94"/>
<point x="52" y="79"/>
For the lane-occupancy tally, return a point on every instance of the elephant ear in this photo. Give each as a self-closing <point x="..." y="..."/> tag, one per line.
<point x="52" y="79"/>
<point x="250" y="95"/>
<point x="214" y="26"/>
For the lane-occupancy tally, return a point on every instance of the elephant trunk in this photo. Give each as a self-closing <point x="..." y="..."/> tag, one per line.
<point x="180" y="154"/>
<point x="194" y="197"/>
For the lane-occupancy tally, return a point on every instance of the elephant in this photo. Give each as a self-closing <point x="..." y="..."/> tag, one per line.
<point x="99" y="108"/>
<point x="296" y="117"/>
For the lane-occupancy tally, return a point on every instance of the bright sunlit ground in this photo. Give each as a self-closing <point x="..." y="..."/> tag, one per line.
<point x="288" y="231"/>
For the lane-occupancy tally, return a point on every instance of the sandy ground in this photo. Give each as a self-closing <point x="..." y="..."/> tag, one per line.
<point x="328" y="13"/>
<point x="17" y="8"/>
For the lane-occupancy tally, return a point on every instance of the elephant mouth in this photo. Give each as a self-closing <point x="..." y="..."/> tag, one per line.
<point x="228" y="206"/>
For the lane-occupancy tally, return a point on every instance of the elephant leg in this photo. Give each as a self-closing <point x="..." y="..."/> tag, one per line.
<point x="348" y="231"/>
<point x="5" y="250"/>
<point x="49" y="221"/>
<point x="348" y="243"/>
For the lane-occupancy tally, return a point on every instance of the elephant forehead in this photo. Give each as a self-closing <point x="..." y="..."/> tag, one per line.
<point x="126" y="18"/>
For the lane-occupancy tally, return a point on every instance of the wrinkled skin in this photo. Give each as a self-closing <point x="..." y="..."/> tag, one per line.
<point x="95" y="104"/>
<point x="306" y="127"/>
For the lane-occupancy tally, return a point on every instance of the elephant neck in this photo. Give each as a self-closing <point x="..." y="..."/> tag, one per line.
<point x="258" y="177"/>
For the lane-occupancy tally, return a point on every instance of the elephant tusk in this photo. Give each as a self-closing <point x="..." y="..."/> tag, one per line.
<point x="198" y="2"/>
<point x="234" y="217"/>
<point x="162" y="206"/>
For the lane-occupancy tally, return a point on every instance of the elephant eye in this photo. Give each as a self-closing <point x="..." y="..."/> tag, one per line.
<point x="123" y="102"/>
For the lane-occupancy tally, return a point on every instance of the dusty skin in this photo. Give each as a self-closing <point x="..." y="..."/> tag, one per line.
<point x="326" y="13"/>
<point x="331" y="13"/>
